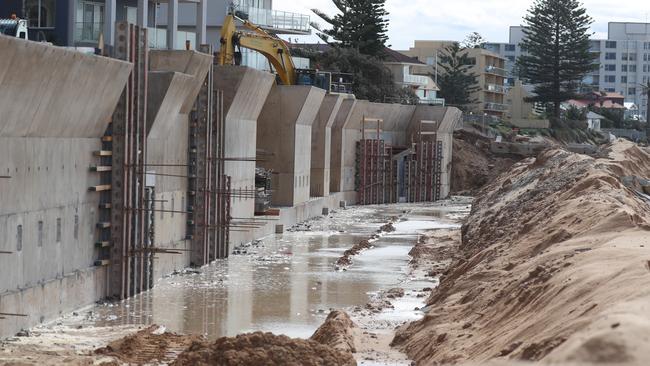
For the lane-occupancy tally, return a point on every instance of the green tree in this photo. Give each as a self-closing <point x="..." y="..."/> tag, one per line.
<point x="557" y="45"/>
<point x="360" y="24"/>
<point x="473" y="40"/>
<point x="373" y="81"/>
<point x="455" y="79"/>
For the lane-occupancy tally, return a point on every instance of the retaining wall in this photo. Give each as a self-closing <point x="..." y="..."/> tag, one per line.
<point x="55" y="104"/>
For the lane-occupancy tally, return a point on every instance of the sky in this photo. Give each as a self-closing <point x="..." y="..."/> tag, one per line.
<point x="454" y="19"/>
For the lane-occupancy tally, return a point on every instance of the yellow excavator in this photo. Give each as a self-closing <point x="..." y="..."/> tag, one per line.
<point x="277" y="53"/>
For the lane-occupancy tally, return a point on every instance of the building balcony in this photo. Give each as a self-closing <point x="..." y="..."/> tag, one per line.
<point x="274" y="21"/>
<point x="416" y="79"/>
<point x="494" y="88"/>
<point x="496" y="71"/>
<point x="497" y="107"/>
<point x="88" y="32"/>
<point x="433" y="101"/>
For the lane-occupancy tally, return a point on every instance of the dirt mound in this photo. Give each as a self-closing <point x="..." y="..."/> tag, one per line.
<point x="387" y="228"/>
<point x="346" y="258"/>
<point x="263" y="349"/>
<point x="553" y="266"/>
<point x="473" y="165"/>
<point x="149" y="345"/>
<point x="337" y="332"/>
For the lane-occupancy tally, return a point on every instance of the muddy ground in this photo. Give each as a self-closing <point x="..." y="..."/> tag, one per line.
<point x="359" y="335"/>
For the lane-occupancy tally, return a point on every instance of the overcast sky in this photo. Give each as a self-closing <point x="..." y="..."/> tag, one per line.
<point x="454" y="19"/>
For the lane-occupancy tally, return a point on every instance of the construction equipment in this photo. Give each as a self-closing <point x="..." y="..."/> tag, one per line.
<point x="14" y="27"/>
<point x="277" y="53"/>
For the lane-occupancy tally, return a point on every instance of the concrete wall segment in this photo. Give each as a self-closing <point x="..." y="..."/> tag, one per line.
<point x="48" y="91"/>
<point x="196" y="64"/>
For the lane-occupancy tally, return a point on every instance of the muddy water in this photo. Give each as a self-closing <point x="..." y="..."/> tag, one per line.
<point x="286" y="283"/>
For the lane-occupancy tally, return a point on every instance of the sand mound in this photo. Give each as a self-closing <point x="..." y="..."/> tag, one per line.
<point x="262" y="349"/>
<point x="149" y="345"/>
<point x="337" y="332"/>
<point x="553" y="266"/>
<point x="473" y="165"/>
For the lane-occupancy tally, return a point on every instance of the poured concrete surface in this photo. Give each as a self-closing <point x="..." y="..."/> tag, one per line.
<point x="47" y="222"/>
<point x="284" y="135"/>
<point x="245" y="91"/>
<point x="321" y="141"/>
<point x="193" y="63"/>
<point x="167" y="93"/>
<point x="336" y="144"/>
<point x="48" y="91"/>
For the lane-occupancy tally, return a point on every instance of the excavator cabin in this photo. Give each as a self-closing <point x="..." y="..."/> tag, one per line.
<point x="277" y="52"/>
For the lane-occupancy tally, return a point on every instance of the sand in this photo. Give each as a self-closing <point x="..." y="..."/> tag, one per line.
<point x="263" y="349"/>
<point x="473" y="165"/>
<point x="553" y="266"/>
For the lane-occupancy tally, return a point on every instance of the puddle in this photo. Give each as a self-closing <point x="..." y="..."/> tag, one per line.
<point x="286" y="283"/>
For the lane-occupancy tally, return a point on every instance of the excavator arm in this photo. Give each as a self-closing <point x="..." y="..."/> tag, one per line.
<point x="273" y="48"/>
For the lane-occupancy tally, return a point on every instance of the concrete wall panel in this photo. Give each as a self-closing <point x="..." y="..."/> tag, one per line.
<point x="284" y="134"/>
<point x="245" y="91"/>
<point x="196" y="64"/>
<point x="168" y="91"/>
<point x="336" y="145"/>
<point x="48" y="91"/>
<point x="321" y="140"/>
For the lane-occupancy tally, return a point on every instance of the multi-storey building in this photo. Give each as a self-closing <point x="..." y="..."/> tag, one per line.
<point x="623" y="61"/>
<point x="489" y="68"/>
<point x="409" y="72"/>
<point x="81" y="22"/>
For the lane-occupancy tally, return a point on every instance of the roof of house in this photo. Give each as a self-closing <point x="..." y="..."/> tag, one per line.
<point x="592" y="115"/>
<point x="608" y="95"/>
<point x="397" y="57"/>
<point x="607" y="104"/>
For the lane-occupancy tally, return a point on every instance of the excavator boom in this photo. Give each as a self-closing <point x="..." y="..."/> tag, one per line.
<point x="272" y="47"/>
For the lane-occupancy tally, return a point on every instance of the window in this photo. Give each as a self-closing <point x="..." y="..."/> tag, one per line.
<point x="632" y="68"/>
<point x="631" y="91"/>
<point x="624" y="68"/>
<point x="610" y="44"/>
<point x="623" y="79"/>
<point x="19" y="238"/>
<point x="645" y="57"/>
<point x="594" y="45"/>
<point x="610" y="90"/>
<point x="645" y="68"/>
<point x="628" y="56"/>
<point x="610" y="67"/>
<point x="610" y="56"/>
<point x="40" y="13"/>
<point x="431" y="60"/>
<point x="610" y="78"/>
<point x="511" y="58"/>
<point x="510" y="48"/>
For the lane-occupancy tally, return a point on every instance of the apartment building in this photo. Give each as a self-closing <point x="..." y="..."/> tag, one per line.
<point x="171" y="23"/>
<point x="623" y="61"/>
<point x="489" y="68"/>
<point x="409" y="72"/>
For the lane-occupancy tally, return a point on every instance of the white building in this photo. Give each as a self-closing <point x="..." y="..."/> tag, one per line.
<point x="623" y="59"/>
